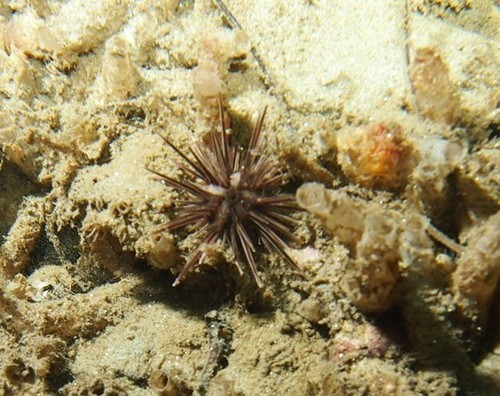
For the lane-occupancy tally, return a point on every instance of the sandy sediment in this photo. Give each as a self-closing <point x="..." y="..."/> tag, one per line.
<point x="385" y="116"/>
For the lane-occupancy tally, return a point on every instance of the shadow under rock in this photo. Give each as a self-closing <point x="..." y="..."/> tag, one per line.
<point x="438" y="343"/>
<point x="14" y="187"/>
<point x="197" y="295"/>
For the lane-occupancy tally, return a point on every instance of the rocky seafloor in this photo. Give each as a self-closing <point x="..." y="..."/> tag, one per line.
<point x="382" y="114"/>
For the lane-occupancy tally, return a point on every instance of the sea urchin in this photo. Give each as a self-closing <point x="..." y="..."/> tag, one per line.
<point x="229" y="198"/>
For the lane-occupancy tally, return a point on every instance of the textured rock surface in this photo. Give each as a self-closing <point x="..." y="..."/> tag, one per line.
<point x="86" y="303"/>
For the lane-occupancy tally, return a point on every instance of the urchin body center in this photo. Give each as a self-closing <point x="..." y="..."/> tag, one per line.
<point x="240" y="202"/>
<point x="231" y="204"/>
